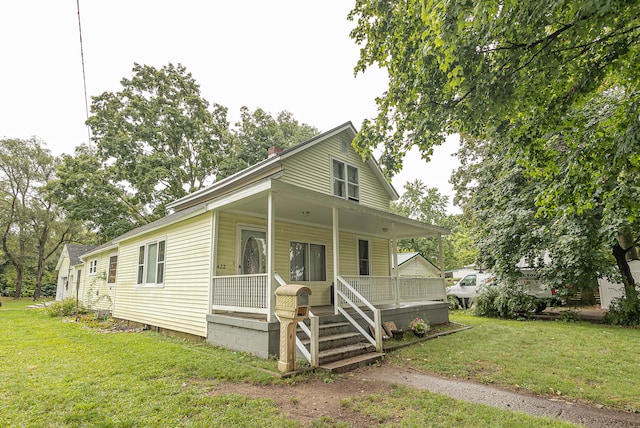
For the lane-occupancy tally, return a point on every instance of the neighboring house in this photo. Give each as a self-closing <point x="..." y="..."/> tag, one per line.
<point x="413" y="264"/>
<point x="69" y="269"/>
<point x="315" y="214"/>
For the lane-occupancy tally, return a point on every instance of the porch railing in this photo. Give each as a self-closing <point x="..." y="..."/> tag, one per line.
<point x="240" y="293"/>
<point x="384" y="290"/>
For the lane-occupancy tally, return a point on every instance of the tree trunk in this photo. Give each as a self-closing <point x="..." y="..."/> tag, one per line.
<point x="623" y="266"/>
<point x="18" y="292"/>
<point x="39" y="273"/>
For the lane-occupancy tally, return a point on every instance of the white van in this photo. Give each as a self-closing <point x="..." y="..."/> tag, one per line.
<point x="468" y="287"/>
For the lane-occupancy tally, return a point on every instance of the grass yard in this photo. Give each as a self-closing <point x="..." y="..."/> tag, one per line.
<point x="55" y="373"/>
<point x="578" y="361"/>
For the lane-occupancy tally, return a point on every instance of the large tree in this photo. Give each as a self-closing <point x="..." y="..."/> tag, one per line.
<point x="551" y="86"/>
<point x="156" y="140"/>
<point x="33" y="228"/>
<point x="158" y="136"/>
<point x="256" y="132"/>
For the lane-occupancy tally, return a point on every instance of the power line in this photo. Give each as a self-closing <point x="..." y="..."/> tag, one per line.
<point x="84" y="76"/>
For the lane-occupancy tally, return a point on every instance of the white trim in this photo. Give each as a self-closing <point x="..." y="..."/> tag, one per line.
<point x="145" y="264"/>
<point x="345" y="181"/>
<point x="93" y="267"/>
<point x="370" y="256"/>
<point x="308" y="260"/>
<point x="112" y="284"/>
<point x="251" y="227"/>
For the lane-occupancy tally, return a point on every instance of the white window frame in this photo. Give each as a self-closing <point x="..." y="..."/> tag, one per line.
<point x="142" y="267"/>
<point x="93" y="267"/>
<point x="115" y="277"/>
<point x="307" y="261"/>
<point x="369" y="254"/>
<point x="249" y="228"/>
<point x="345" y="183"/>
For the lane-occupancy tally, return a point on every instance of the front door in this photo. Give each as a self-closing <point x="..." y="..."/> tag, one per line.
<point x="253" y="252"/>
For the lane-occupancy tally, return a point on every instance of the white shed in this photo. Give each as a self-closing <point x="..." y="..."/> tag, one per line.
<point x="413" y="264"/>
<point x="610" y="291"/>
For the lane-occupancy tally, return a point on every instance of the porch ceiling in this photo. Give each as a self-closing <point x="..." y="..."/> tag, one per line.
<point x="302" y="206"/>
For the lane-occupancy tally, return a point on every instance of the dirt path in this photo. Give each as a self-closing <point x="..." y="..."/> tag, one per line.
<point x="309" y="401"/>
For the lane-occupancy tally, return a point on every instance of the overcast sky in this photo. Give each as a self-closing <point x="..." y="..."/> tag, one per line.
<point x="293" y="55"/>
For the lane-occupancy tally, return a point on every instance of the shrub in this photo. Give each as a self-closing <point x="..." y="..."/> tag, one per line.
<point x="623" y="311"/>
<point x="505" y="301"/>
<point x="64" y="308"/>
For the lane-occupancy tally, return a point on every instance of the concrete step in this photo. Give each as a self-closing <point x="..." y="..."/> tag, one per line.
<point x="351" y="363"/>
<point x="335" y="340"/>
<point x="343" y="352"/>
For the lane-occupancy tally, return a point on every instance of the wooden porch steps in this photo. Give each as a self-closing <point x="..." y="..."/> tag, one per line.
<point x="341" y="346"/>
<point x="352" y="363"/>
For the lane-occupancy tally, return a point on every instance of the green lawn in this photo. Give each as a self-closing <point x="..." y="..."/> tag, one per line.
<point x="580" y="361"/>
<point x="55" y="373"/>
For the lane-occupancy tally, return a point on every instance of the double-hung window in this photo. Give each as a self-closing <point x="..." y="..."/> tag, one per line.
<point x="93" y="266"/>
<point x="113" y="268"/>
<point x="307" y="262"/>
<point x="151" y="260"/>
<point x="345" y="181"/>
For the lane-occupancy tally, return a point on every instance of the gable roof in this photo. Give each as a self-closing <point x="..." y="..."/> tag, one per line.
<point x="76" y="250"/>
<point x="405" y="257"/>
<point x="271" y="166"/>
<point x="73" y="252"/>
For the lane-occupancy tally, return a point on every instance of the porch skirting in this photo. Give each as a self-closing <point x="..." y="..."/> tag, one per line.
<point x="262" y="339"/>
<point x="254" y="336"/>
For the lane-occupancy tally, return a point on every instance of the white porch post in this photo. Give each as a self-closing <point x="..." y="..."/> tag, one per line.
<point x="441" y="250"/>
<point x="336" y="258"/>
<point x="271" y="234"/>
<point x="214" y="256"/>
<point x="396" y="269"/>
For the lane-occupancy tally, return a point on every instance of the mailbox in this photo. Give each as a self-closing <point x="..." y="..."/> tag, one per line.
<point x="292" y="306"/>
<point x="292" y="302"/>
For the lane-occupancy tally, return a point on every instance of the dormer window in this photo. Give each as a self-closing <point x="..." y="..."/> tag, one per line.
<point x="345" y="181"/>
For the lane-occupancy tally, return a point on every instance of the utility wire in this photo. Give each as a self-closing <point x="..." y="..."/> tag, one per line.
<point x="84" y="76"/>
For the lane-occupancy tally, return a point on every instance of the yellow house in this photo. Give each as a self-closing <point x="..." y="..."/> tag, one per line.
<point x="69" y="267"/>
<point x="315" y="214"/>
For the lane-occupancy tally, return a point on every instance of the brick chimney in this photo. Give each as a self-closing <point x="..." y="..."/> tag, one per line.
<point x="273" y="150"/>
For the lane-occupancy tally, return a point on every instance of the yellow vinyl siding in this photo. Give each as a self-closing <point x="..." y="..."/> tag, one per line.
<point x="379" y="257"/>
<point x="311" y="169"/>
<point x="94" y="292"/>
<point x="287" y="232"/>
<point x="182" y="302"/>
<point x="63" y="292"/>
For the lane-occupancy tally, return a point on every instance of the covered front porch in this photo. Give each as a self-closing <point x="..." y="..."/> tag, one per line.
<point x="343" y="251"/>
